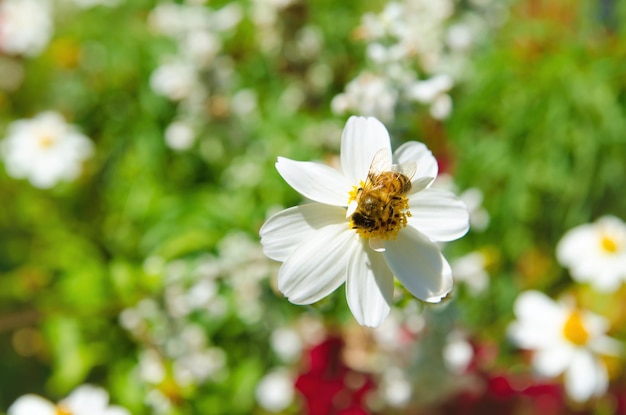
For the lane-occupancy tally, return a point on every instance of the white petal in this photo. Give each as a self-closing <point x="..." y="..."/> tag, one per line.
<point x="607" y="346"/>
<point x="438" y="214"/>
<point x="361" y="139"/>
<point x="31" y="405"/>
<point x="553" y="361"/>
<point x="369" y="287"/>
<point x="282" y="232"/>
<point x="315" y="181"/>
<point x="317" y="266"/>
<point x="536" y="307"/>
<point x="87" y="399"/>
<point x="377" y="244"/>
<point x="540" y="321"/>
<point x="426" y="163"/>
<point x="352" y="206"/>
<point x="116" y="410"/>
<point x="574" y="244"/>
<point x="417" y="185"/>
<point x="586" y="377"/>
<point x="419" y="265"/>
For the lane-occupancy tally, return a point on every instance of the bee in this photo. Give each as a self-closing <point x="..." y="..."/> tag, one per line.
<point x="380" y="206"/>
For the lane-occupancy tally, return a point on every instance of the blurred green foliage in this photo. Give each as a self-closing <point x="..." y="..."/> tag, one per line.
<point x="539" y="126"/>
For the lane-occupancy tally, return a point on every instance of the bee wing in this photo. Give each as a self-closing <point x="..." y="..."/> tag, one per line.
<point x="381" y="162"/>
<point x="408" y="169"/>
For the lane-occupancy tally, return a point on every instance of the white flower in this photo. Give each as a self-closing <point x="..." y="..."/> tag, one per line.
<point x="84" y="400"/>
<point x="44" y="150"/>
<point x="179" y="136"/>
<point x="596" y="253"/>
<point x="25" y="26"/>
<point x="324" y="244"/>
<point x="433" y="91"/>
<point x="275" y="391"/>
<point x="175" y="80"/>
<point x="395" y="388"/>
<point x="457" y="353"/>
<point x="565" y="340"/>
<point x="470" y="269"/>
<point x="367" y="94"/>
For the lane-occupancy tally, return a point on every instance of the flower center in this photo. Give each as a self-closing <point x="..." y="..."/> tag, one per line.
<point x="62" y="410"/>
<point x="45" y="141"/>
<point x="609" y="244"/>
<point x="381" y="208"/>
<point x="574" y="329"/>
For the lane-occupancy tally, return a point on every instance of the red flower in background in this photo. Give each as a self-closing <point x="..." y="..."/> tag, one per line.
<point x="328" y="386"/>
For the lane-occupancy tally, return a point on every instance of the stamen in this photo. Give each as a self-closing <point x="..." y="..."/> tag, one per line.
<point x="574" y="329"/>
<point x="45" y="141"/>
<point x="609" y="245"/>
<point x="62" y="410"/>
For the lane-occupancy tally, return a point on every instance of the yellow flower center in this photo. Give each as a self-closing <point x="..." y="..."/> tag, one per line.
<point x="45" y="141"/>
<point x="609" y="244"/>
<point x="381" y="210"/>
<point x="574" y="330"/>
<point x="62" y="410"/>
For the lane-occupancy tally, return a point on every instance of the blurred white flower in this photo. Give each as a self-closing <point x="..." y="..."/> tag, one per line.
<point x="470" y="269"/>
<point x="286" y="343"/>
<point x="337" y="239"/>
<point x="473" y="199"/>
<point x="396" y="389"/>
<point x="179" y="136"/>
<point x="460" y="36"/>
<point x="44" y="150"/>
<point x="201" y="47"/>
<point x="479" y="216"/>
<point x="369" y="95"/>
<point x="84" y="400"/>
<point x="410" y="28"/>
<point x="244" y="102"/>
<point x="275" y="391"/>
<point x="198" y="365"/>
<point x="596" y="253"/>
<point x="25" y="26"/>
<point x="175" y="80"/>
<point x="566" y="340"/>
<point x="265" y="15"/>
<point x="433" y="91"/>
<point x="196" y="27"/>
<point x="151" y="366"/>
<point x="457" y="353"/>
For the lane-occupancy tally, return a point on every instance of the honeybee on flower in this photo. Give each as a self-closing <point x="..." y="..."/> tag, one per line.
<point x="369" y="222"/>
<point x="379" y="206"/>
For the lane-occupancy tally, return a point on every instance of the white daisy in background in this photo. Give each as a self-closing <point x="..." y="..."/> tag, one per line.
<point x="84" y="400"/>
<point x="367" y="94"/>
<point x="457" y="353"/>
<point x="566" y="340"/>
<point x="471" y="269"/>
<point x="354" y="233"/>
<point x="25" y="26"/>
<point x="44" y="150"/>
<point x="433" y="92"/>
<point x="275" y="391"/>
<point x="596" y="253"/>
<point x="180" y="136"/>
<point x="175" y="80"/>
